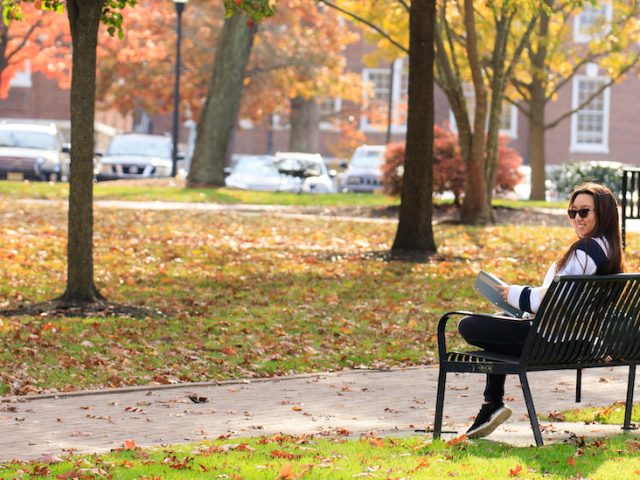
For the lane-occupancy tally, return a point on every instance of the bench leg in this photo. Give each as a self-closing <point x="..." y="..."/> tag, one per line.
<point x="437" y="423"/>
<point x="578" y="385"/>
<point x="629" y="406"/>
<point x="530" y="409"/>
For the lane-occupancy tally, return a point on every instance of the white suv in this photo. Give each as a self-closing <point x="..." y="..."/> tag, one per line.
<point x="364" y="173"/>
<point x="33" y="151"/>
<point x="136" y="155"/>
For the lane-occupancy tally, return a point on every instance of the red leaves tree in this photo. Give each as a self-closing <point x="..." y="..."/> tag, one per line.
<point x="448" y="167"/>
<point x="40" y="40"/>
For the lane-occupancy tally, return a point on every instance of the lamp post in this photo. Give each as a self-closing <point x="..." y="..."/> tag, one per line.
<point x="180" y="4"/>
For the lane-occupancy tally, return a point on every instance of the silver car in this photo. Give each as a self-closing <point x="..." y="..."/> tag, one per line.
<point x="310" y="168"/>
<point x="33" y="151"/>
<point x="259" y="172"/>
<point x="364" y="173"/>
<point x="136" y="155"/>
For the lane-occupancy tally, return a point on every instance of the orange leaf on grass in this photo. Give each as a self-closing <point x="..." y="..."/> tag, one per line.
<point x="572" y="461"/>
<point x="376" y="442"/>
<point x="455" y="441"/>
<point x="515" y="471"/>
<point x="282" y="454"/>
<point x="130" y="445"/>
<point x="286" y="472"/>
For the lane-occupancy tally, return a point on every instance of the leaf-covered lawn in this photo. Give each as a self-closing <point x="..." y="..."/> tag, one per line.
<point x="244" y="295"/>
<point x="293" y="458"/>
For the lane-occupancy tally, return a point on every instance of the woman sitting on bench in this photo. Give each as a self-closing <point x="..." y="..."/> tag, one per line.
<point x="593" y="214"/>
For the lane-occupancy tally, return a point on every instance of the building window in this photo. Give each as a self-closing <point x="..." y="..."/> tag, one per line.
<point x="592" y="22"/>
<point x="590" y="124"/>
<point x="329" y="112"/>
<point x="508" y="114"/>
<point x="375" y="117"/>
<point x="22" y="78"/>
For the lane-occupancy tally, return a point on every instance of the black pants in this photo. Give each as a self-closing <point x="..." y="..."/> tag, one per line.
<point x="496" y="335"/>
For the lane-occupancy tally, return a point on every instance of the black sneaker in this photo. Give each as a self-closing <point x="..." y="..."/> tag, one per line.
<point x="488" y="419"/>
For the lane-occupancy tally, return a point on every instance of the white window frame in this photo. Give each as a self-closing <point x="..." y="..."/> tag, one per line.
<point x="606" y="102"/>
<point x="578" y="35"/>
<point x="22" y="78"/>
<point x="469" y="94"/>
<point x="396" y="94"/>
<point x="337" y="108"/>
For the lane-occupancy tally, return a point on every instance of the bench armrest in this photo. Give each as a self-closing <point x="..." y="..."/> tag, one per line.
<point x="442" y="341"/>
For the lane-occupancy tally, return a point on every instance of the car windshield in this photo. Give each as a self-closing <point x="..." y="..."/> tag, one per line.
<point x="27" y="139"/>
<point x="292" y="165"/>
<point x="143" y="146"/>
<point x="367" y="159"/>
<point x="259" y="167"/>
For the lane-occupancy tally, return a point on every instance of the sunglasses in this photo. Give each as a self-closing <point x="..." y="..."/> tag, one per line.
<point x="583" y="212"/>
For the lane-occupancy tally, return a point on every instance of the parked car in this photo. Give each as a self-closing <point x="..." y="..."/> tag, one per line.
<point x="136" y="155"/>
<point x="310" y="168"/>
<point x="364" y="172"/>
<point x="33" y="151"/>
<point x="259" y="172"/>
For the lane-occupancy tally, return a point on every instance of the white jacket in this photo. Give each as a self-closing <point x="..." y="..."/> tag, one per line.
<point x="585" y="260"/>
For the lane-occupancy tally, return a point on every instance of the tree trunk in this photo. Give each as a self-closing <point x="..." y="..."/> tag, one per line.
<point x="536" y="144"/>
<point x="4" y="41"/>
<point x="537" y="105"/>
<point x="223" y="102"/>
<point x="305" y="126"/>
<point x="476" y="206"/>
<point x="84" y="20"/>
<point x="415" y="233"/>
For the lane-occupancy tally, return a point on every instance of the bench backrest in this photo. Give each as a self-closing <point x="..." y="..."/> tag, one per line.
<point x="587" y="319"/>
<point x="630" y="200"/>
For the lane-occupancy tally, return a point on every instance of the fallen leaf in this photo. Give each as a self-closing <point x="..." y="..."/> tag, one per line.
<point x="197" y="399"/>
<point x="286" y="472"/>
<point x="515" y="471"/>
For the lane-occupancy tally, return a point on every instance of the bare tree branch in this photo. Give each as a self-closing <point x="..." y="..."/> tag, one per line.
<point x="369" y="24"/>
<point x="594" y="94"/>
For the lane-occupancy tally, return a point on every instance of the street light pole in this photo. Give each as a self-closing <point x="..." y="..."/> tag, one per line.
<point x="180" y="4"/>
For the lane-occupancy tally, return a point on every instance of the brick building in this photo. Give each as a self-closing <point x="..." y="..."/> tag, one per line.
<point x="605" y="130"/>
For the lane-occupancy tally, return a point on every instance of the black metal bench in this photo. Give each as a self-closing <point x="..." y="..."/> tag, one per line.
<point x="583" y="322"/>
<point x="630" y="201"/>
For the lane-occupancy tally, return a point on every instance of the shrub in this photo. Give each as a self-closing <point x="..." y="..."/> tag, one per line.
<point x="448" y="167"/>
<point x="564" y="178"/>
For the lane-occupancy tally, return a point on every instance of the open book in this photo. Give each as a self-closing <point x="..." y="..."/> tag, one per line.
<point x="486" y="285"/>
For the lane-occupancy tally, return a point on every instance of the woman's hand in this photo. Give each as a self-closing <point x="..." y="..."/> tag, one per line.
<point x="504" y="291"/>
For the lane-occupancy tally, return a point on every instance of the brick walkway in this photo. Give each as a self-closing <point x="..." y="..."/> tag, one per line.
<point x="396" y="402"/>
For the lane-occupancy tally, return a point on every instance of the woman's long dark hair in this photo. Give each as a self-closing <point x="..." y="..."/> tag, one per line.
<point x="607" y="226"/>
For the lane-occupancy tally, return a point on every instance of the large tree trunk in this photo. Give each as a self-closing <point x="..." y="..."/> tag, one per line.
<point x="415" y="233"/>
<point x="223" y="102"/>
<point x="305" y="126"/>
<point x="538" y="96"/>
<point x="536" y="142"/>
<point x="4" y="41"/>
<point x="84" y="20"/>
<point x="476" y="206"/>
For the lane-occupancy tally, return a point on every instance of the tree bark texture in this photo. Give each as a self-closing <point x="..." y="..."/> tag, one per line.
<point x="220" y="112"/>
<point x="537" y="106"/>
<point x="476" y="206"/>
<point x="305" y="126"/>
<point x="415" y="232"/>
<point x="537" y="133"/>
<point x="84" y="20"/>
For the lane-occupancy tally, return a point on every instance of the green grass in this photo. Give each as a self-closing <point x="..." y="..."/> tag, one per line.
<point x="174" y="191"/>
<point x="170" y="191"/>
<point x="288" y="458"/>
<point x="609" y="415"/>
